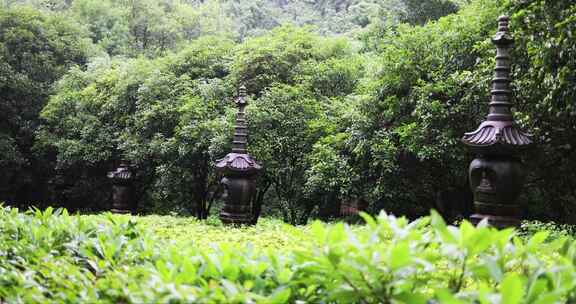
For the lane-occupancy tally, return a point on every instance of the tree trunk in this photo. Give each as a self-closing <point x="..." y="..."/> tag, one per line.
<point x="257" y="203"/>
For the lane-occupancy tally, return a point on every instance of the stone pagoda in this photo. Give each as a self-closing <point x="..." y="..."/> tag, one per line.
<point x="239" y="172"/>
<point x="497" y="173"/>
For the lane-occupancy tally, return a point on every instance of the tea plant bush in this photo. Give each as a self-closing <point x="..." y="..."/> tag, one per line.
<point x="53" y="257"/>
<point x="270" y="233"/>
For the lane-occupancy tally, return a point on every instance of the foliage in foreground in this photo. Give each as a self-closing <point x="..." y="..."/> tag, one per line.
<point x="54" y="257"/>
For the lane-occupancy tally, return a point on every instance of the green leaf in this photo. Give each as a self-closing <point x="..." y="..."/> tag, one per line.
<point x="493" y="269"/>
<point x="336" y="233"/>
<point x="549" y="297"/>
<point x="368" y="219"/>
<point x="440" y="226"/>
<point x="512" y="289"/>
<point x="537" y="239"/>
<point x="280" y="296"/>
<point x="284" y="276"/>
<point x="400" y="255"/>
<point x="411" y="298"/>
<point x="318" y="231"/>
<point x="445" y="297"/>
<point x="537" y="289"/>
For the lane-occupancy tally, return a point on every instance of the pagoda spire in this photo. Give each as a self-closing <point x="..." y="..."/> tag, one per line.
<point x="501" y="94"/>
<point x="240" y="129"/>
<point x="498" y="133"/>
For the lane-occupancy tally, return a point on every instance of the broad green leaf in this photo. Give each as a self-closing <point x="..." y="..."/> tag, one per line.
<point x="411" y="298"/>
<point x="400" y="255"/>
<point x="512" y="289"/>
<point x="280" y="295"/>
<point x="537" y="239"/>
<point x="445" y="297"/>
<point x="368" y="219"/>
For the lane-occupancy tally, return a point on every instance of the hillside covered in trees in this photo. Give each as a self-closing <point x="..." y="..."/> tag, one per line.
<point x="359" y="101"/>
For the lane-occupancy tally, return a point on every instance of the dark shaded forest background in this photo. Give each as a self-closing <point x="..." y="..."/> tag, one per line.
<point x="358" y="101"/>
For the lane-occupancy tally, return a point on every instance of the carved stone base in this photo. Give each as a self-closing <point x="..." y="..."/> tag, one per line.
<point x="496" y="182"/>
<point x="239" y="191"/>
<point x="122" y="199"/>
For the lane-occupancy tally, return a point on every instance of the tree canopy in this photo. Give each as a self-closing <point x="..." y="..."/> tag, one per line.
<point x="349" y="100"/>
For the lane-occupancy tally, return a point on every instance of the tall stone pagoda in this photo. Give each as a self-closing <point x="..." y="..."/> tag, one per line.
<point x="497" y="173"/>
<point x="239" y="170"/>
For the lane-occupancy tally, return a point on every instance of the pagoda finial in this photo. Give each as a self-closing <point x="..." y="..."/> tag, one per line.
<point x="503" y="35"/>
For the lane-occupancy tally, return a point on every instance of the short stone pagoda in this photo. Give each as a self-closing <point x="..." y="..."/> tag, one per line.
<point x="497" y="173"/>
<point x="239" y="170"/>
<point x="123" y="200"/>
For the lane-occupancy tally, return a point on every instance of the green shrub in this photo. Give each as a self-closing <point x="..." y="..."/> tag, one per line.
<point x="53" y="257"/>
<point x="36" y="49"/>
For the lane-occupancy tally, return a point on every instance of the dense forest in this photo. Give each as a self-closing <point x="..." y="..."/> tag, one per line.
<point x="359" y="101"/>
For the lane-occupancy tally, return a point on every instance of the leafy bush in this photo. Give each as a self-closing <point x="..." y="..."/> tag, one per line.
<point x="166" y="116"/>
<point x="375" y="121"/>
<point x="53" y="257"/>
<point x="172" y="117"/>
<point x="424" y="88"/>
<point x="36" y="49"/>
<point x="432" y="84"/>
<point x="546" y="91"/>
